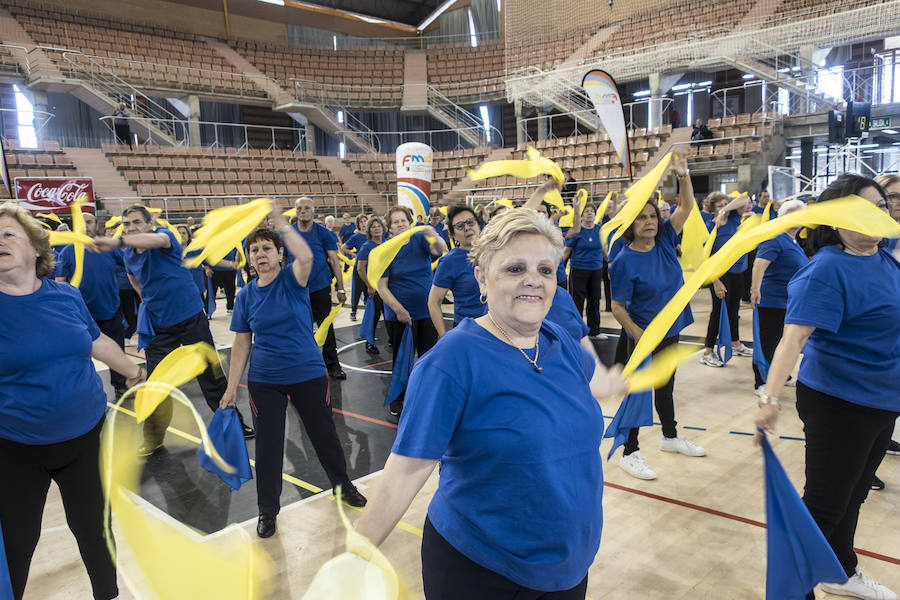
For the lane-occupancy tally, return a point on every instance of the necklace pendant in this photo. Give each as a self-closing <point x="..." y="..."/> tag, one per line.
<point x="538" y="368"/>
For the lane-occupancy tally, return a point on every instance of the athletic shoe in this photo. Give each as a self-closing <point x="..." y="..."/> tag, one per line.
<point x="877" y="484"/>
<point x="352" y="316"/>
<point x="635" y="465"/>
<point x="265" y="527"/>
<point x="129" y="343"/>
<point x="893" y="447"/>
<point x="710" y="360"/>
<point x="860" y="586"/>
<point x="681" y="446"/>
<point x="228" y="311"/>
<point x="791" y="382"/>
<point x="350" y="495"/>
<point x="741" y="350"/>
<point x="147" y="448"/>
<point x="337" y="373"/>
<point x="599" y="336"/>
<point x="761" y="390"/>
<point x="249" y="434"/>
<point x="370" y="349"/>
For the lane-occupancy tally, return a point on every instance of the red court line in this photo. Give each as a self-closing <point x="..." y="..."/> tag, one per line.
<point x="378" y="364"/>
<point x="364" y="418"/>
<point x="135" y="355"/>
<point x="725" y="515"/>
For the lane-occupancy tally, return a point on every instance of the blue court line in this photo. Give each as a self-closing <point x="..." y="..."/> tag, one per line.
<point x="788" y="437"/>
<point x="740" y="433"/>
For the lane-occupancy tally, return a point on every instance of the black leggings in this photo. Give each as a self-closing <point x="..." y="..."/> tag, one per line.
<point x="359" y="289"/>
<point x="586" y="288"/>
<point x="607" y="292"/>
<point x="269" y="405"/>
<point x="114" y="329"/>
<point x="845" y="443"/>
<point x="226" y="281"/>
<point x="662" y="399"/>
<point x="75" y="467"/>
<point x="771" y="326"/>
<point x="448" y="574"/>
<point x="733" y="283"/>
<point x="129" y="300"/>
<point x="424" y="338"/>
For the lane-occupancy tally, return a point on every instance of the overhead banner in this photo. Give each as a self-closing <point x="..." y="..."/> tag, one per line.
<point x="414" y="177"/>
<point x="601" y="89"/>
<point x="54" y="194"/>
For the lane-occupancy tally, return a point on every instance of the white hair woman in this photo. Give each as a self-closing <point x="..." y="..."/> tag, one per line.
<point x="52" y="404"/>
<point x="458" y="410"/>
<point x="776" y="262"/>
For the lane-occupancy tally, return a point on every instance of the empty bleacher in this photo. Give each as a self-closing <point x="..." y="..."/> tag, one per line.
<point x="734" y="137"/>
<point x="468" y="74"/>
<point x="46" y="161"/>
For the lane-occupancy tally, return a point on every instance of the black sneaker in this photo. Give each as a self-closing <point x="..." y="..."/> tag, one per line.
<point x="370" y="349"/>
<point x="265" y="527"/>
<point x="249" y="433"/>
<point x="893" y="447"/>
<point x="337" y="373"/>
<point x="352" y="316"/>
<point x="350" y="495"/>
<point x="877" y="484"/>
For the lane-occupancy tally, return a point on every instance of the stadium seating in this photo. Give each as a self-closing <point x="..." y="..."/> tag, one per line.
<point x="734" y="137"/>
<point x="468" y="74"/>
<point x="46" y="161"/>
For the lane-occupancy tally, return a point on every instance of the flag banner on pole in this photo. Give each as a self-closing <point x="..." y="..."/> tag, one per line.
<point x="604" y="94"/>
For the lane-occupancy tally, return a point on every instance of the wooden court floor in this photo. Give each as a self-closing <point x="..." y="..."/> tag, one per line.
<point x="694" y="533"/>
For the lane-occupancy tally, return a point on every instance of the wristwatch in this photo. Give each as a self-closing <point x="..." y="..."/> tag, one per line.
<point x="769" y="400"/>
<point x="284" y="228"/>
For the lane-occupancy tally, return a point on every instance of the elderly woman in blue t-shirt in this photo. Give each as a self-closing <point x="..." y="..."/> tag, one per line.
<point x="645" y="276"/>
<point x="273" y="314"/>
<point x="376" y="233"/>
<point x="518" y="507"/>
<point x="843" y="315"/>
<point x="776" y="262"/>
<point x="455" y="273"/>
<point x="52" y="404"/>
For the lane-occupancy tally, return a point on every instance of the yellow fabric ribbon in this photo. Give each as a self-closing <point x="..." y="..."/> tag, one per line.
<point x="78" y="227"/>
<point x="345" y="259"/>
<point x="112" y="222"/>
<point x="178" y="367"/>
<point x="50" y="216"/>
<point x="443" y="210"/>
<point x="62" y="238"/>
<point x="554" y="198"/>
<point x="533" y="166"/>
<point x="174" y="561"/>
<point x="693" y="237"/>
<point x="661" y="368"/>
<point x="853" y="213"/>
<point x="223" y="230"/>
<point x="505" y="202"/>
<point x="568" y="220"/>
<point x="602" y="210"/>
<point x="710" y="240"/>
<point x="322" y="331"/>
<point x="382" y="255"/>
<point x="637" y="195"/>
<point x="163" y="223"/>
<point x="360" y="572"/>
<point x="290" y="213"/>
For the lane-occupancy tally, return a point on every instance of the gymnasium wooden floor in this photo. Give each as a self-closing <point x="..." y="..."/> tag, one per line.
<point x="694" y="533"/>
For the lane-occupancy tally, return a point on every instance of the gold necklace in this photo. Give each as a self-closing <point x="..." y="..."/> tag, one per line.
<point x="537" y="346"/>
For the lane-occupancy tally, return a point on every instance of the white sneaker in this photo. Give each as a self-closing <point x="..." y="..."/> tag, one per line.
<point x="600" y="336"/>
<point x="860" y="586"/>
<point x="635" y="465"/>
<point x="761" y="390"/>
<point x="791" y="382"/>
<point x="681" y="446"/>
<point x="710" y="360"/>
<point x="741" y="350"/>
<point x="129" y="343"/>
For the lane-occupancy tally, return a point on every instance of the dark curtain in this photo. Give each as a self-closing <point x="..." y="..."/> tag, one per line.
<point x="220" y="112"/>
<point x="75" y="124"/>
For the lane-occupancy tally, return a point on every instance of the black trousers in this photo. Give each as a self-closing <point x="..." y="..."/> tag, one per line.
<point x="607" y="289"/>
<point x="115" y="329"/>
<point x="75" y="467"/>
<point x="379" y="309"/>
<point x="269" y="405"/>
<point x="845" y="443"/>
<point x="733" y="283"/>
<point x="123" y="134"/>
<point x="226" y="281"/>
<point x="424" y="338"/>
<point x="771" y="327"/>
<point x="586" y="288"/>
<point x="564" y="284"/>
<point x="662" y="399"/>
<point x="190" y="331"/>
<point x="359" y="289"/>
<point x="448" y="574"/>
<point x="748" y="277"/>
<point x="320" y="302"/>
<point x="129" y="300"/>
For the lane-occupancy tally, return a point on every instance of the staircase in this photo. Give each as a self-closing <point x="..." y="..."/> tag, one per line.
<point x="276" y="93"/>
<point x="468" y="126"/>
<point x="353" y="183"/>
<point x="108" y="182"/>
<point x="778" y="73"/>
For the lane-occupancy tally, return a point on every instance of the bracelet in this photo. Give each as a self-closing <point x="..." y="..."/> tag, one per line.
<point x="771" y="400"/>
<point x="284" y="228"/>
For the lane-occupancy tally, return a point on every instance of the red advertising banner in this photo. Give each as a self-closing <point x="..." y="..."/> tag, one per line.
<point x="54" y="194"/>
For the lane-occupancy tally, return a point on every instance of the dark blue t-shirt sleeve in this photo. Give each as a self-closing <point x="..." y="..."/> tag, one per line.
<point x="364" y="251"/>
<point x="621" y="285"/>
<point x="65" y="262"/>
<point x="83" y="313"/>
<point x="815" y="301"/>
<point x="240" y="322"/>
<point x="769" y="250"/>
<point x="444" y="275"/>
<point x="329" y="240"/>
<point x="434" y="406"/>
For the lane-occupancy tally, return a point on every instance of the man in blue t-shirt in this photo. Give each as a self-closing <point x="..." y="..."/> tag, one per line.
<point x="326" y="266"/>
<point x="173" y="307"/>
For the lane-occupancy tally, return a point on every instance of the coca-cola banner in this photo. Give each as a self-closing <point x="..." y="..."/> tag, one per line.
<point x="54" y="194"/>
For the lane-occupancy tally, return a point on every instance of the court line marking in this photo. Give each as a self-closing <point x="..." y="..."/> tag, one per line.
<point x="360" y="369"/>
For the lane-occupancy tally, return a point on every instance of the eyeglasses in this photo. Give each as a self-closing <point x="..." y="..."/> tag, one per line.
<point x="460" y="225"/>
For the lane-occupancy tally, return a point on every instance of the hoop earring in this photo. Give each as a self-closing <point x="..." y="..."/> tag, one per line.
<point x="483" y="298"/>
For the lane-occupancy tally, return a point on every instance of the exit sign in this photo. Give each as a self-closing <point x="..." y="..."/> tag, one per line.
<point x="880" y="123"/>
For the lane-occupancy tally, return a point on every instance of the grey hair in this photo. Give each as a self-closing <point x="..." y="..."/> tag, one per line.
<point x="791" y="205"/>
<point x="508" y="225"/>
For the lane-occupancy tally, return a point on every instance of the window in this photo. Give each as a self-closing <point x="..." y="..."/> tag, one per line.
<point x="831" y="82"/>
<point x="473" y="37"/>
<point x="25" y="114"/>
<point x="486" y="121"/>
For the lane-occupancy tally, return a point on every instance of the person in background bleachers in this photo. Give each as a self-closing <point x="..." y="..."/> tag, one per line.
<point x="347" y="229"/>
<point x="675" y="117"/>
<point x="121" y="125"/>
<point x="701" y="131"/>
<point x="570" y="187"/>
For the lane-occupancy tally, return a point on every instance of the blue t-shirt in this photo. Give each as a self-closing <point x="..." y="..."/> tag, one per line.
<point x="320" y="241"/>
<point x="49" y="389"/>
<point x="890" y="243"/>
<point x="587" y="250"/>
<point x="786" y="258"/>
<point x="564" y="313"/>
<point x="725" y="233"/>
<point x="99" y="285"/>
<point x="167" y="287"/>
<point x="455" y="273"/>
<point x="444" y="232"/>
<point x="409" y="278"/>
<point x="356" y="241"/>
<point x="616" y="248"/>
<point x="646" y="281"/>
<point x="346" y="231"/>
<point x="122" y="275"/>
<point x="280" y="318"/>
<point x="854" y="352"/>
<point x="365" y="250"/>
<point x="535" y="435"/>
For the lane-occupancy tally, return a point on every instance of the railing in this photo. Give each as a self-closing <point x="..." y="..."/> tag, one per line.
<point x="695" y="145"/>
<point x="386" y="138"/>
<point x="474" y="91"/>
<point x="332" y="94"/>
<point x="457" y="114"/>
<point x="218" y="128"/>
<point x="40" y="119"/>
<point x="356" y="128"/>
<point x="503" y="191"/>
<point x="575" y="116"/>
